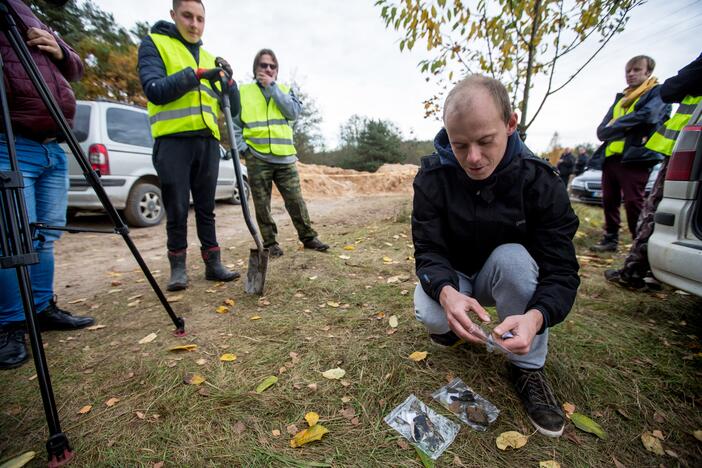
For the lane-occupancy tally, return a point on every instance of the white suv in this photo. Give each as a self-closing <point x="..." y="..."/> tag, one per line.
<point x="675" y="247"/>
<point x="117" y="141"/>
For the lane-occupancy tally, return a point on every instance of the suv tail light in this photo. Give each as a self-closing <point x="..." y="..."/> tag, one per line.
<point x="683" y="157"/>
<point x="99" y="159"/>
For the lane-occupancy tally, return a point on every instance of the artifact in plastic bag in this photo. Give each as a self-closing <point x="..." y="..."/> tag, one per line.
<point x="490" y="344"/>
<point x="423" y="427"/>
<point x="470" y="407"/>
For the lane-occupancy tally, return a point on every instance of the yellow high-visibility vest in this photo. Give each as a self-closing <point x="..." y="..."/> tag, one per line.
<point x="195" y="110"/>
<point x="617" y="146"/>
<point x="663" y="140"/>
<point x="266" y="129"/>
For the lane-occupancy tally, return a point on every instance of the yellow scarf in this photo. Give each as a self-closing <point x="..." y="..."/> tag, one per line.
<point x="632" y="94"/>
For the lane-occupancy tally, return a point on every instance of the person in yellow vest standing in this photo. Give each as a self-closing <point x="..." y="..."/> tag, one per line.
<point x="265" y="138"/>
<point x="631" y="120"/>
<point x="685" y="88"/>
<point x="177" y="75"/>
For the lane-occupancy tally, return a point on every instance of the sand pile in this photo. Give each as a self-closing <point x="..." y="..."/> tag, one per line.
<point x="323" y="181"/>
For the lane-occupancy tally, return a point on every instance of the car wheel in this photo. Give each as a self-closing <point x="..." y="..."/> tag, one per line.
<point x="235" y="199"/>
<point x="144" y="206"/>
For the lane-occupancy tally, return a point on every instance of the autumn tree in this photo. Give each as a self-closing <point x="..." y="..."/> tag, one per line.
<point x="306" y="132"/>
<point x="514" y="41"/>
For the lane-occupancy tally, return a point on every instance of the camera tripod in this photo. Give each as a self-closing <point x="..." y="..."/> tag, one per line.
<point x="17" y="235"/>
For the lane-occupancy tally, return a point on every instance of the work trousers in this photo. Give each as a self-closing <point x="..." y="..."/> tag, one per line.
<point x="507" y="280"/>
<point x="262" y="175"/>
<point x="44" y="169"/>
<point x="188" y="165"/>
<point x="629" y="181"/>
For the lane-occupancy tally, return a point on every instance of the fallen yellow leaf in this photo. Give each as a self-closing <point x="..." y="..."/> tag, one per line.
<point x="333" y="304"/>
<point x="222" y="309"/>
<point x="148" y="338"/>
<point x="652" y="444"/>
<point x="186" y="347"/>
<point x="312" y="418"/>
<point x="334" y="374"/>
<point x="193" y="379"/>
<point x="387" y="259"/>
<point x="349" y="247"/>
<point x="85" y="409"/>
<point x="698" y="435"/>
<point x="418" y="356"/>
<point x="229" y="302"/>
<point x="393" y="322"/>
<point x="256" y="317"/>
<point x="549" y="464"/>
<point x="511" y="439"/>
<point x="227" y="357"/>
<point x="308" y="435"/>
<point x="267" y="382"/>
<point x="112" y="402"/>
<point x="20" y="460"/>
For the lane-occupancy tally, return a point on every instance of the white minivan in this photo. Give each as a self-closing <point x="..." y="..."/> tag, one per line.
<point x="117" y="140"/>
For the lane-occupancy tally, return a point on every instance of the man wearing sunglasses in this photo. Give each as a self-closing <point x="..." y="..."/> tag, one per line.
<point x="265" y="138"/>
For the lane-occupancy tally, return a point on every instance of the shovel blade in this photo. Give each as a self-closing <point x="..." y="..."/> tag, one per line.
<point x="256" y="274"/>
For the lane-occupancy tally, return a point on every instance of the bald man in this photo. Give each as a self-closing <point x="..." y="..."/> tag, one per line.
<point x="492" y="225"/>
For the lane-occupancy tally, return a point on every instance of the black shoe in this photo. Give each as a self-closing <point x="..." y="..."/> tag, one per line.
<point x="13" y="350"/>
<point x="608" y="243"/>
<point x="316" y="244"/>
<point x="214" y="270"/>
<point x="622" y="278"/>
<point x="179" y="274"/>
<point x="53" y="318"/>
<point x="542" y="408"/>
<point x="274" y="251"/>
<point x="445" y="340"/>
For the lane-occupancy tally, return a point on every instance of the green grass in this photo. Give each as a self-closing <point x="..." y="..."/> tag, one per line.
<point x="629" y="360"/>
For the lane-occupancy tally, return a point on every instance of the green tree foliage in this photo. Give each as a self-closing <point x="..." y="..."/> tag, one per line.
<point x="109" y="51"/>
<point x="378" y="144"/>
<point x="513" y="41"/>
<point x="306" y="132"/>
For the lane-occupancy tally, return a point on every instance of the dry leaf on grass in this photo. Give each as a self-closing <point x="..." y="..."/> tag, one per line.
<point x="203" y="391"/>
<point x="652" y="443"/>
<point x="193" y="379"/>
<point x="85" y="409"/>
<point x="349" y="247"/>
<point x="549" y="464"/>
<point x="187" y="347"/>
<point x="569" y="409"/>
<point x="658" y="434"/>
<point x="229" y="302"/>
<point x="344" y="257"/>
<point x="393" y="322"/>
<point x="312" y="278"/>
<point x="334" y="374"/>
<point x="312" y="418"/>
<point x="112" y="402"/>
<point x="160" y="464"/>
<point x="227" y="357"/>
<point x="312" y="386"/>
<point x="511" y="439"/>
<point x="239" y="427"/>
<point x="20" y="460"/>
<point x="275" y="432"/>
<point x="175" y="298"/>
<point x="78" y="301"/>
<point x="698" y="435"/>
<point x="308" y="435"/>
<point x="402" y="443"/>
<point x="617" y="463"/>
<point x="256" y="317"/>
<point x="96" y="327"/>
<point x="586" y="424"/>
<point x="222" y="309"/>
<point x="201" y="362"/>
<point x="348" y="413"/>
<point x="333" y="304"/>
<point x="148" y="338"/>
<point x="418" y="356"/>
<point x="292" y="429"/>
<point x="266" y="383"/>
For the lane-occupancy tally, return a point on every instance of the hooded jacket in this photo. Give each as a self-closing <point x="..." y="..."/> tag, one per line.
<point x="457" y="222"/>
<point x="30" y="117"/>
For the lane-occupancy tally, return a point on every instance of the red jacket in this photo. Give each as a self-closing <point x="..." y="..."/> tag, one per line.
<point x="30" y="118"/>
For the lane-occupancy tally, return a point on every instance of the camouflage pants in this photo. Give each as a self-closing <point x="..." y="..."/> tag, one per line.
<point x="261" y="177"/>
<point x="636" y="263"/>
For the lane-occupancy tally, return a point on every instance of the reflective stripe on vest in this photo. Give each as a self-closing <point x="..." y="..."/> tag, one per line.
<point x="663" y="141"/>
<point x="266" y="129"/>
<point x="197" y="109"/>
<point x="617" y="146"/>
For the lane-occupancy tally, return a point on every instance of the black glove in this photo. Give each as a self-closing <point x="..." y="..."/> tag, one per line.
<point x="224" y="65"/>
<point x="210" y="74"/>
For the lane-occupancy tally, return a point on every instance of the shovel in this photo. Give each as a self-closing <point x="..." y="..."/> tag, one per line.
<point x="258" y="257"/>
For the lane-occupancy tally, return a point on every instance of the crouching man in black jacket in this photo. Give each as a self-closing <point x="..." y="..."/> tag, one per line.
<point x="492" y="225"/>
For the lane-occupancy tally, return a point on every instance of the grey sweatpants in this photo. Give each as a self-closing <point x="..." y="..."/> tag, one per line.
<point x="507" y="280"/>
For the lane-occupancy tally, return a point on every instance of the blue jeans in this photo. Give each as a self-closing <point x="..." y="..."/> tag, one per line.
<point x="45" y="172"/>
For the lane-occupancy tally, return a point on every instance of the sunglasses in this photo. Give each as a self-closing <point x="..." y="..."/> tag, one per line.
<point x="263" y="66"/>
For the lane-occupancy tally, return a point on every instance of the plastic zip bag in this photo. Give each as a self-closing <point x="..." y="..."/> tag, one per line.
<point x="469" y="406"/>
<point x="423" y="427"/>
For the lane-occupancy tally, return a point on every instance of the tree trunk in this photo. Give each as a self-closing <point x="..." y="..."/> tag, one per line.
<point x="530" y="65"/>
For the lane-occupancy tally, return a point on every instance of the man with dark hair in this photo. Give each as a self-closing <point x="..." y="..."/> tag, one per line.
<point x="265" y="138"/>
<point x="625" y="129"/>
<point x="580" y="161"/>
<point x="492" y="225"/>
<point x="566" y="165"/>
<point x="179" y="78"/>
<point x="44" y="168"/>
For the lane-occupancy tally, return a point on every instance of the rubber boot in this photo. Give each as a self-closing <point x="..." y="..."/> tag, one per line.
<point x="214" y="270"/>
<point x="179" y="276"/>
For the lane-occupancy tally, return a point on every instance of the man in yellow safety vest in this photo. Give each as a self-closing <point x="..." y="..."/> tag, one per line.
<point x="265" y="138"/>
<point x="179" y="80"/>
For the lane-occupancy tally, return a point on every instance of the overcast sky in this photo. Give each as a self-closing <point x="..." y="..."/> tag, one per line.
<point x="344" y="58"/>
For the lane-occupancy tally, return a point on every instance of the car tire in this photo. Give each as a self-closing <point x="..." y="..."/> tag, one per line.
<point x="235" y="200"/>
<point x="144" y="206"/>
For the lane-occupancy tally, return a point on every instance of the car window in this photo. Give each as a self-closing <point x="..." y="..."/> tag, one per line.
<point x="129" y="127"/>
<point x="81" y="122"/>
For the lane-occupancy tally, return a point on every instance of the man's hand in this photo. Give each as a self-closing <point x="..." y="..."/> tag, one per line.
<point x="210" y="74"/>
<point x="224" y="65"/>
<point x="523" y="327"/>
<point x="44" y="41"/>
<point x="457" y="306"/>
<point x="264" y="79"/>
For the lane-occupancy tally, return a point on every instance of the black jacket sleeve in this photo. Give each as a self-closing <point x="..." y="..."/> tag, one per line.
<point x="688" y="81"/>
<point x="159" y="87"/>
<point x="648" y="111"/>
<point x="552" y="224"/>
<point x="430" y="250"/>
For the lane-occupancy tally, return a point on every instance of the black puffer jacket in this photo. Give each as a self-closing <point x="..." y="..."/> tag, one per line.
<point x="457" y="223"/>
